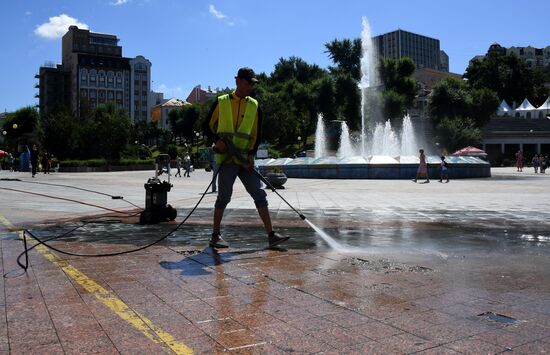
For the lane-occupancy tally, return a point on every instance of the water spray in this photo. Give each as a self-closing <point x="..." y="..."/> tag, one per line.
<point x="330" y="241"/>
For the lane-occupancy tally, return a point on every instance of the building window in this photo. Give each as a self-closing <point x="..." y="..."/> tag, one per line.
<point x="110" y="95"/>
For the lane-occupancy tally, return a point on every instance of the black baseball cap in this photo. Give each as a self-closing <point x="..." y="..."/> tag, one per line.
<point x="248" y="74"/>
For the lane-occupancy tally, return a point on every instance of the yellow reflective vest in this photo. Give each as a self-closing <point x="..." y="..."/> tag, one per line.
<point x="238" y="139"/>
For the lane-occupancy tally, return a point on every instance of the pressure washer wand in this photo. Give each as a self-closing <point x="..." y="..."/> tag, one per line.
<point x="268" y="184"/>
<point x="233" y="151"/>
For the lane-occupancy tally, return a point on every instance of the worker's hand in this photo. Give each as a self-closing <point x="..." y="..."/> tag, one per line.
<point x="249" y="163"/>
<point x="220" y="146"/>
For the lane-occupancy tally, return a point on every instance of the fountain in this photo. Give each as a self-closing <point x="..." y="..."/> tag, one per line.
<point x="378" y="152"/>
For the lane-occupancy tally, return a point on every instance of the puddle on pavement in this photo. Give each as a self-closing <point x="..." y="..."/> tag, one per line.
<point x="499" y="318"/>
<point x="443" y="231"/>
<point x="385" y="266"/>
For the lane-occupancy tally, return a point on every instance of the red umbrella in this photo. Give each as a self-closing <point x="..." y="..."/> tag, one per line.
<point x="2" y="153"/>
<point x="471" y="151"/>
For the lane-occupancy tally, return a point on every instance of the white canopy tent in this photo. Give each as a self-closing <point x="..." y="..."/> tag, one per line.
<point x="545" y="107"/>
<point x="526" y="110"/>
<point x="504" y="109"/>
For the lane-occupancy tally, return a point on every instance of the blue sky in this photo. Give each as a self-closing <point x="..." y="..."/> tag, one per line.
<point x="204" y="42"/>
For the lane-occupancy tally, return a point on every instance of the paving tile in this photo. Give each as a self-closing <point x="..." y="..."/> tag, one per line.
<point x="475" y="345"/>
<point x="339" y="337"/>
<point x="407" y="342"/>
<point x="238" y="338"/>
<point x="502" y="338"/>
<point x="23" y="348"/>
<point x="535" y="347"/>
<point x="377" y="330"/>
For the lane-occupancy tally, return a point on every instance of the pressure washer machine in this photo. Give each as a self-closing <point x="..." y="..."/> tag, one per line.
<point x="157" y="208"/>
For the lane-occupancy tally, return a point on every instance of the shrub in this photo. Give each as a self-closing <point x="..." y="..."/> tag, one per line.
<point x="125" y="162"/>
<point x="89" y="163"/>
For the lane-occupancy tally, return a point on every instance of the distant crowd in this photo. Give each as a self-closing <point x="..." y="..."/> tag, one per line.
<point x="539" y="162"/>
<point x="36" y="161"/>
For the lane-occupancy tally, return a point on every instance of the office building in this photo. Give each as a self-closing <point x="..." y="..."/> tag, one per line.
<point x="424" y="51"/>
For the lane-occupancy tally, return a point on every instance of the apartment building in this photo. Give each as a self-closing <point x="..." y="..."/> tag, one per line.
<point x="92" y="72"/>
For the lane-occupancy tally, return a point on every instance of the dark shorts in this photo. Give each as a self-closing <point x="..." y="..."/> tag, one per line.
<point x="226" y="178"/>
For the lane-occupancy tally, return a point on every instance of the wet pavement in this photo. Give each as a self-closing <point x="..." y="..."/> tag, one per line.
<point x="431" y="268"/>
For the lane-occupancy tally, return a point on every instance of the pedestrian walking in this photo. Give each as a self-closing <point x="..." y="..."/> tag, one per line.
<point x="187" y="165"/>
<point x="443" y="170"/>
<point x="178" y="166"/>
<point x="519" y="160"/>
<point x="234" y="125"/>
<point x="34" y="159"/>
<point x="422" y="171"/>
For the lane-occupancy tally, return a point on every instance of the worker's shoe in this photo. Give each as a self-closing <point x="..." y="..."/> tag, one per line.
<point x="275" y="238"/>
<point x="217" y="241"/>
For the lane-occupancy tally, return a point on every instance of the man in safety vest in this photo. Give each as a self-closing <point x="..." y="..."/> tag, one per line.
<point x="234" y="126"/>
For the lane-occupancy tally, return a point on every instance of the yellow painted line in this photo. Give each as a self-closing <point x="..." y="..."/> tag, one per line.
<point x="6" y="223"/>
<point x="115" y="304"/>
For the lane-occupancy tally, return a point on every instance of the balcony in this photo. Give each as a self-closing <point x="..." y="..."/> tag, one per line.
<point x="37" y="76"/>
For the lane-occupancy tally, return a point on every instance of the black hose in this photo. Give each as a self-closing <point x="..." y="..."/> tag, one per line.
<point x="43" y="242"/>
<point x="114" y="197"/>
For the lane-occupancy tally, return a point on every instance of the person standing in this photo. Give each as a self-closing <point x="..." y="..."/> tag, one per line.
<point x="178" y="166"/>
<point x="422" y="171"/>
<point x="45" y="163"/>
<point x="34" y="159"/>
<point x="536" y="162"/>
<point x="234" y="126"/>
<point x="519" y="160"/>
<point x="543" y="163"/>
<point x="9" y="162"/>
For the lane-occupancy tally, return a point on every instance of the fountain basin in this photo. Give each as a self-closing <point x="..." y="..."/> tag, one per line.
<point x="373" y="167"/>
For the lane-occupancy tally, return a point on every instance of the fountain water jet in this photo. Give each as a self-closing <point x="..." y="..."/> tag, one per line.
<point x="389" y="155"/>
<point x="320" y="138"/>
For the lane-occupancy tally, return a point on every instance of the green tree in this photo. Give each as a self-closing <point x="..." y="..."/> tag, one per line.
<point x="183" y="121"/>
<point x="457" y="133"/>
<point x="484" y="104"/>
<point x="289" y="99"/>
<point x="61" y="134"/>
<point x="106" y="133"/>
<point x="508" y="76"/>
<point x="27" y="121"/>
<point x="450" y="98"/>
<point x="458" y="112"/>
<point x="345" y="75"/>
<point x="346" y="55"/>
<point x="400" y="88"/>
